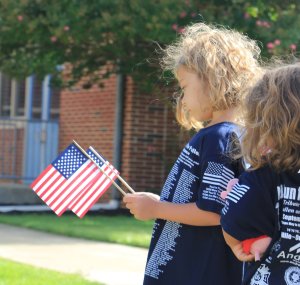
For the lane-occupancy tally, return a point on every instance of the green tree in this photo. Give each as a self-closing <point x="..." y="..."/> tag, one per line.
<point x="37" y="36"/>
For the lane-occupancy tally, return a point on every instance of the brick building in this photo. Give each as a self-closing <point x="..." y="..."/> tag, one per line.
<point x="136" y="131"/>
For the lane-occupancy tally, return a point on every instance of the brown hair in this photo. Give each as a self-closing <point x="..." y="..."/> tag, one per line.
<point x="225" y="59"/>
<point x="272" y="120"/>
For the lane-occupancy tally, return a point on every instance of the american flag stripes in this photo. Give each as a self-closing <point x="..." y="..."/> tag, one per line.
<point x="70" y="179"/>
<point x="237" y="192"/>
<point x="94" y="191"/>
<point x="217" y="174"/>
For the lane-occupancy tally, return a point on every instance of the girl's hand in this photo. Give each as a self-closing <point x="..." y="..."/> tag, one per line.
<point x="237" y="248"/>
<point x="240" y="254"/>
<point x="142" y="205"/>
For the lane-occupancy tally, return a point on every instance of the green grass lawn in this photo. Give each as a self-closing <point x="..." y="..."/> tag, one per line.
<point x="115" y="229"/>
<point x="14" y="273"/>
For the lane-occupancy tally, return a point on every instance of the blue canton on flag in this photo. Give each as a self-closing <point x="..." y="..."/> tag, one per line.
<point x="95" y="158"/>
<point x="69" y="161"/>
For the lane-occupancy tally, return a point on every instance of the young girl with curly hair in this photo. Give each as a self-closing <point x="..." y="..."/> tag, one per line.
<point x="212" y="66"/>
<point x="266" y="200"/>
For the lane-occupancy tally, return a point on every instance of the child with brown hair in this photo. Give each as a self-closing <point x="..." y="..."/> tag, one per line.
<point x="212" y="66"/>
<point x="266" y="200"/>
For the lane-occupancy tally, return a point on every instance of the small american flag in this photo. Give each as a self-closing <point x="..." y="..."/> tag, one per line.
<point x="94" y="190"/>
<point x="217" y="174"/>
<point x="65" y="179"/>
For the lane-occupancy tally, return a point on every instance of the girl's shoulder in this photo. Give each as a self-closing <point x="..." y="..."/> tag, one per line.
<point x="216" y="139"/>
<point x="218" y="133"/>
<point x="263" y="175"/>
<point x="268" y="172"/>
<point x="265" y="181"/>
<point x="219" y="130"/>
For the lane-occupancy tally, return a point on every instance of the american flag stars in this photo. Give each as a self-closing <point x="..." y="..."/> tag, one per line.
<point x="95" y="158"/>
<point x="70" y="161"/>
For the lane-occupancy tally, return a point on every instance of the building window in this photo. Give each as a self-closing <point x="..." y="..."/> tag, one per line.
<point x="13" y="98"/>
<point x="5" y="95"/>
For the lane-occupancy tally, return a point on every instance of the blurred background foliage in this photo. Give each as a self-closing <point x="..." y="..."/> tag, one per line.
<point x="39" y="36"/>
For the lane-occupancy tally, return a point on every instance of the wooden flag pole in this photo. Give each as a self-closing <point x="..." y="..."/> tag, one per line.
<point x="85" y="153"/>
<point x="119" y="176"/>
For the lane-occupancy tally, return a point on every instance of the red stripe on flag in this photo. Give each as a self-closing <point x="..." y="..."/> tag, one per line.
<point x="52" y="191"/>
<point x="96" y="191"/>
<point x="82" y="198"/>
<point x="39" y="186"/>
<point x="68" y="184"/>
<point x="32" y="185"/>
<point x="65" y="202"/>
<point x="78" y="190"/>
<point x="49" y="186"/>
<point x="57" y="185"/>
<point x="83" y="193"/>
<point x="93" y="199"/>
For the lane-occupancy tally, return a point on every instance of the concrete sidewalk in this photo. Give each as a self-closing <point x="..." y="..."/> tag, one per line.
<point x="110" y="264"/>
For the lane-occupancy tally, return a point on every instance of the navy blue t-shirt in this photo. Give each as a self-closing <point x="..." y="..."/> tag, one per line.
<point x="188" y="255"/>
<point x="266" y="202"/>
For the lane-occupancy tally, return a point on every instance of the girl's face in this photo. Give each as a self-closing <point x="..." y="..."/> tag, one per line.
<point x="195" y="95"/>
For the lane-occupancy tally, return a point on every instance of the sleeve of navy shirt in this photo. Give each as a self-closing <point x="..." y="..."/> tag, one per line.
<point x="217" y="168"/>
<point x="250" y="207"/>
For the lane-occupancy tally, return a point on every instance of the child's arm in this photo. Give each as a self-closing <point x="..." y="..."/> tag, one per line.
<point x="146" y="206"/>
<point x="257" y="246"/>
<point x="237" y="248"/>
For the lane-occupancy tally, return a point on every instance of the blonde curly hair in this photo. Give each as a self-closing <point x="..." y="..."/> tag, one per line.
<point x="272" y="120"/>
<point x="227" y="61"/>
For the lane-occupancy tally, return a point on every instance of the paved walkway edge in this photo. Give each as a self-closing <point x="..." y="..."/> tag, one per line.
<point x="111" y="264"/>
